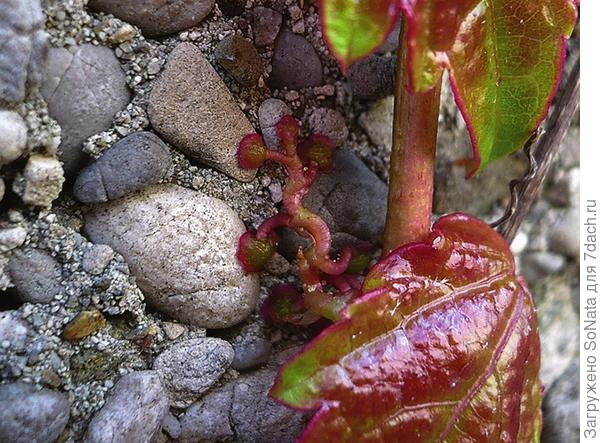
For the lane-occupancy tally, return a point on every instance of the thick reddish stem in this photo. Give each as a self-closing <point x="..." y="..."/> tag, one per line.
<point x="412" y="168"/>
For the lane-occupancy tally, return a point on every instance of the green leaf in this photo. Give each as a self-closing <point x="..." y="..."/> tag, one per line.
<point x="443" y="347"/>
<point x="505" y="59"/>
<point x="353" y="29"/>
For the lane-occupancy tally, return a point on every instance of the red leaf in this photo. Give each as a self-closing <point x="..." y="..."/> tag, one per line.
<point x="443" y="346"/>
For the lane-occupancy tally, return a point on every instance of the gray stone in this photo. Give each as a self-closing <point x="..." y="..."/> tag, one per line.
<point x="131" y="164"/>
<point x="133" y="413"/>
<point x="190" y="368"/>
<point x="11" y="238"/>
<point x="329" y="122"/>
<point x="96" y="258"/>
<point x="251" y="353"/>
<point x="561" y="408"/>
<point x="36" y="275"/>
<point x="157" y="17"/>
<point x="208" y="419"/>
<point x="538" y="265"/>
<point x="269" y="113"/>
<point x="563" y="235"/>
<point x="40" y="182"/>
<point x="295" y="63"/>
<point x="181" y="246"/>
<point x="266" y="24"/>
<point x="378" y="122"/>
<point x="24" y="47"/>
<point x="240" y="59"/>
<point x="14" y="136"/>
<point x="13" y="330"/>
<point x="84" y="91"/>
<point x="28" y="415"/>
<point x="191" y="107"/>
<point x="373" y="78"/>
<point x="258" y="419"/>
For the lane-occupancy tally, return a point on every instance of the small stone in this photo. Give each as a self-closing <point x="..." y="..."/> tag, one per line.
<point x="251" y="353"/>
<point x="180" y="245"/>
<point x="266" y="25"/>
<point x="36" y="275"/>
<point x="538" y="265"/>
<point x="208" y="419"/>
<point x="134" y="412"/>
<point x="190" y="368"/>
<point x="276" y="192"/>
<point x="378" y="122"/>
<point x="157" y="17"/>
<point x="172" y="426"/>
<point x="24" y="48"/>
<point x="154" y="67"/>
<point x="269" y="113"/>
<point x="563" y="235"/>
<point x="326" y="90"/>
<point x="84" y="91"/>
<point x="28" y="415"/>
<point x="11" y="238"/>
<point x="295" y="12"/>
<point x="85" y="323"/>
<point x="329" y="122"/>
<point x="14" y="136"/>
<point x="96" y="259"/>
<point x="41" y="181"/>
<point x="298" y="27"/>
<point x="240" y="59"/>
<point x="182" y="109"/>
<point x="173" y="330"/>
<point x="13" y="331"/>
<point x="133" y="163"/>
<point x="373" y="78"/>
<point x="295" y="63"/>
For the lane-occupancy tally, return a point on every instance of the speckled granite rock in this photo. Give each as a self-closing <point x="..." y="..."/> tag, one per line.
<point x="180" y="245"/>
<point x="157" y="17"/>
<point x="190" y="368"/>
<point x="24" y="47"/>
<point x="84" y="91"/>
<point x="192" y="108"/>
<point x="137" y="161"/>
<point x="28" y="415"/>
<point x="133" y="413"/>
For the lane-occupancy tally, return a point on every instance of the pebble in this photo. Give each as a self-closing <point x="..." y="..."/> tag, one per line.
<point x="266" y="24"/>
<point x="189" y="368"/>
<point x="378" y="122"/>
<point x="157" y="17"/>
<point x="14" y="136"/>
<point x="276" y="192"/>
<point x="269" y="113"/>
<point x="180" y="245"/>
<point x="85" y="323"/>
<point x="96" y="258"/>
<point x="240" y="59"/>
<point x="84" y="90"/>
<point x="172" y="426"/>
<point x="563" y="235"/>
<point x="40" y="182"/>
<point x="182" y="109"/>
<point x="133" y="163"/>
<point x="133" y="413"/>
<point x="11" y="238"/>
<point x="208" y="419"/>
<point x="24" y="50"/>
<point x="295" y="63"/>
<point x="561" y="408"/>
<point x="13" y="331"/>
<point x="173" y="330"/>
<point x="251" y="353"/>
<point x="36" y="275"/>
<point x="538" y="265"/>
<point x="329" y="122"/>
<point x="373" y="78"/>
<point x="28" y="415"/>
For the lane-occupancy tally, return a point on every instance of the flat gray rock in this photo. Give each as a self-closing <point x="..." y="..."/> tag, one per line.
<point x="133" y="413"/>
<point x="192" y="109"/>
<point x="190" y="368"/>
<point x="28" y="415"/>
<point x="157" y="17"/>
<point x="131" y="164"/>
<point x="180" y="245"/>
<point x="23" y="47"/>
<point x="84" y="91"/>
<point x="36" y="275"/>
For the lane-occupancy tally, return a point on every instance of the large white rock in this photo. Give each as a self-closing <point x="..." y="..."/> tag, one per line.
<point x="180" y="244"/>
